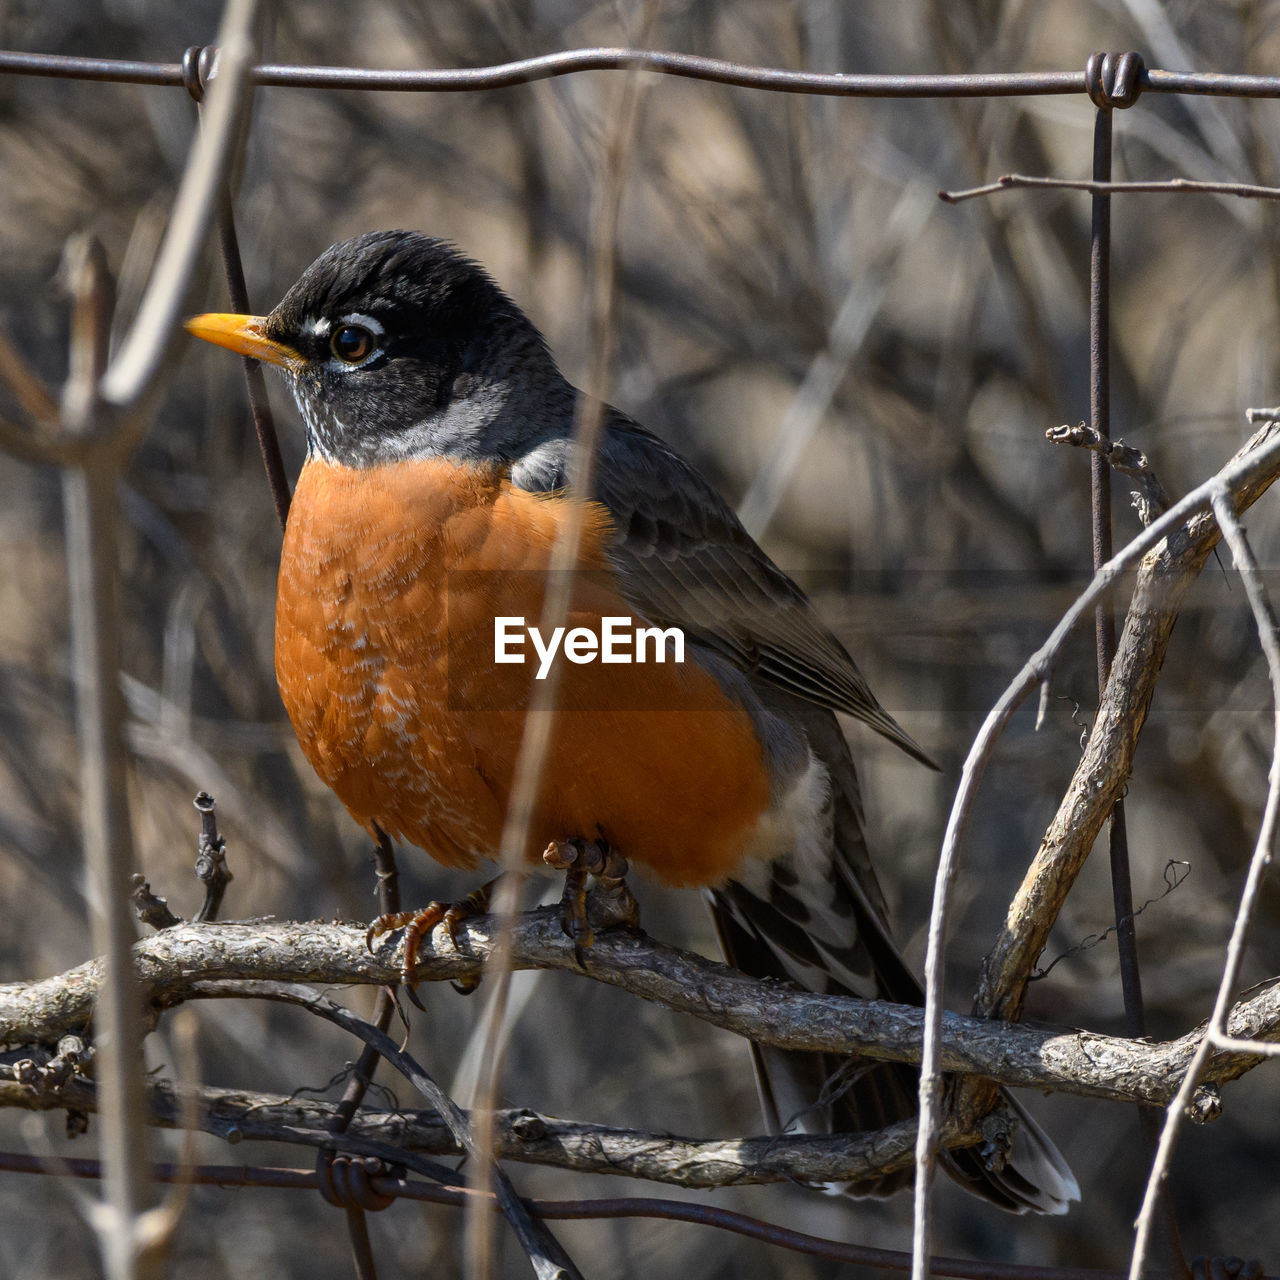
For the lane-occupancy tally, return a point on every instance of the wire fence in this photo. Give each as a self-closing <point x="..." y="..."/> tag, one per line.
<point x="1111" y="82"/>
<point x="1107" y="84"/>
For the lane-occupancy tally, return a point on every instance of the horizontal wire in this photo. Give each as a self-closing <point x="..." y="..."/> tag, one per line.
<point x="1210" y="83"/>
<point x="569" y="1210"/>
<point x="72" y="68"/>
<point x="690" y="66"/>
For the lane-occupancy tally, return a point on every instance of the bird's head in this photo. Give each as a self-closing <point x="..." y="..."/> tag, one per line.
<point x="396" y="345"/>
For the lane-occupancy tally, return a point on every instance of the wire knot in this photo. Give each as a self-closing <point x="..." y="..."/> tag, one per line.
<point x="1114" y="79"/>
<point x="347" y="1181"/>
<point x="197" y="69"/>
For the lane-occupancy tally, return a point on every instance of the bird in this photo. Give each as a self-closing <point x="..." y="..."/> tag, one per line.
<point x="440" y="437"/>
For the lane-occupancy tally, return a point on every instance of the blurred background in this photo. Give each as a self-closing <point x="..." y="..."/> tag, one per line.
<point x="939" y="532"/>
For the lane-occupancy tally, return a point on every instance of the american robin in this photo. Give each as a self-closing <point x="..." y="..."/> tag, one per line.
<point x="439" y="433"/>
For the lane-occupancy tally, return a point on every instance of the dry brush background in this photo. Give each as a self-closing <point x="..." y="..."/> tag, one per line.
<point x="941" y="534"/>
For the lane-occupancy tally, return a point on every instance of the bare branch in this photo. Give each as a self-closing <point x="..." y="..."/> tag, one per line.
<point x="130" y="380"/>
<point x="519" y="1134"/>
<point x="33" y="446"/>
<point x="31" y="393"/>
<point x="179" y="963"/>
<point x="1099" y="780"/>
<point x="1170" y="186"/>
<point x="1149" y="498"/>
<point x="549" y="1260"/>
<point x="89" y="501"/>
<point x="1224" y="510"/>
<point x="1173" y="550"/>
<point x="43" y="445"/>
<point x="48" y="443"/>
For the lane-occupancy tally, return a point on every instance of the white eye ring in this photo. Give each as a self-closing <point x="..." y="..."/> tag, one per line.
<point x="354" y="339"/>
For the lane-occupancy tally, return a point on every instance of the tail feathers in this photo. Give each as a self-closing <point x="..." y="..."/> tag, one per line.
<point x="1034" y="1177"/>
<point x="814" y="1092"/>
<point x="765" y="935"/>
<point x="817" y="1093"/>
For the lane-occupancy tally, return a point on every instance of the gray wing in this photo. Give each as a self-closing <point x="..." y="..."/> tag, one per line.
<point x="821" y="925"/>
<point x="685" y="560"/>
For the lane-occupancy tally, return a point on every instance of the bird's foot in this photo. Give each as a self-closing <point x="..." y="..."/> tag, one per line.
<point x="579" y="860"/>
<point x="418" y="924"/>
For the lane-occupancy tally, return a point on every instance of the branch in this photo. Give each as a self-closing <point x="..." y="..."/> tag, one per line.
<point x="550" y="1262"/>
<point x="1149" y="498"/>
<point x="1218" y="1032"/>
<point x="35" y="446"/>
<point x="1015" y="181"/>
<point x="131" y="381"/>
<point x="1173" y="549"/>
<point x="187" y="961"/>
<point x="523" y="1135"/>
<point x="1175" y="546"/>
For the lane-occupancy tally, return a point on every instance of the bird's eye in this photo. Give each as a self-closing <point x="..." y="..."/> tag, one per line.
<point x="352" y="343"/>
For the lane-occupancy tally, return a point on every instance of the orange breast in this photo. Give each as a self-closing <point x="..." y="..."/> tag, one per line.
<point x="390" y="580"/>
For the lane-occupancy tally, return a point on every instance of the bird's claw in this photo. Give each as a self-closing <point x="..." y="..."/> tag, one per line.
<point x="417" y="925"/>
<point x="580" y="860"/>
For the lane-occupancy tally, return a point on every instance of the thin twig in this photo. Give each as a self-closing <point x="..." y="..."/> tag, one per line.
<point x="1016" y="181"/>
<point x="104" y="415"/>
<point x="131" y="380"/>
<point x="829" y="368"/>
<point x="16" y="373"/>
<point x="387" y="875"/>
<point x="1224" y="511"/>
<point x="35" y="446"/>
<point x="528" y="1137"/>
<point x="150" y="909"/>
<point x="255" y="383"/>
<point x="45" y="443"/>
<point x="1149" y="498"/>
<point x="1236" y="1044"/>
<point x="527" y="775"/>
<point x="549" y="1260"/>
<point x="1259" y="461"/>
<point x="89" y="496"/>
<point x="211" y="860"/>
<point x="1103" y="770"/>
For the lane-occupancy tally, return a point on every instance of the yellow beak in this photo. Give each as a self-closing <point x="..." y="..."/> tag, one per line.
<point x="245" y="334"/>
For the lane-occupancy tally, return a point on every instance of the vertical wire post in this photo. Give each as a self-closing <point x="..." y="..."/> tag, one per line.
<point x="337" y="1189"/>
<point x="255" y="383"/>
<point x="1100" y="501"/>
<point x="1115" y="82"/>
<point x="197" y="66"/>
